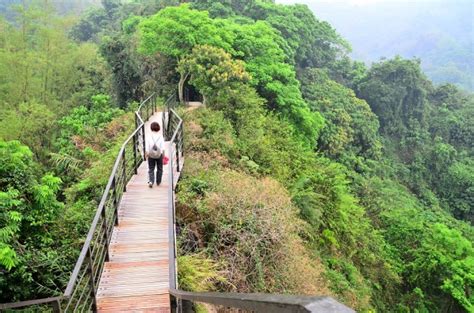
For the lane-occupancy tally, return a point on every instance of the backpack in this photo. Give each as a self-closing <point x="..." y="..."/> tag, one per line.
<point x="155" y="152"/>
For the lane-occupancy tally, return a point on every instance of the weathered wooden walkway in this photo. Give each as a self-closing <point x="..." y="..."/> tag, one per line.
<point x="136" y="278"/>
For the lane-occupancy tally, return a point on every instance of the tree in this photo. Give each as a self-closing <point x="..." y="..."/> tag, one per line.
<point x="212" y="70"/>
<point x="32" y="123"/>
<point x="396" y="91"/>
<point x="28" y="205"/>
<point x="174" y="31"/>
<point x="39" y="63"/>
<point x="126" y="79"/>
<point x="260" y="46"/>
<point x="455" y="184"/>
<point x="350" y="133"/>
<point x="442" y="264"/>
<point x="452" y="116"/>
<point x="309" y="41"/>
<point x="90" y="25"/>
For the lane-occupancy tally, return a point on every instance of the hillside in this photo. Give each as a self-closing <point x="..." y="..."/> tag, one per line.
<point x="306" y="172"/>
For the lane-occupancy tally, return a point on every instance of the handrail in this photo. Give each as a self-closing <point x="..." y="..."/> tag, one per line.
<point x="97" y="216"/>
<point x="84" y="280"/>
<point x="118" y="178"/>
<point x="260" y="302"/>
<point x="54" y="302"/>
<point x="173" y="132"/>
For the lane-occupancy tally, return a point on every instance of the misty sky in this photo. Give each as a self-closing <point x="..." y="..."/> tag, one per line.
<point x="369" y="2"/>
<point x="439" y="32"/>
<point x="375" y="22"/>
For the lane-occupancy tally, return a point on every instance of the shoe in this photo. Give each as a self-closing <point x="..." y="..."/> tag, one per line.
<point x="150" y="184"/>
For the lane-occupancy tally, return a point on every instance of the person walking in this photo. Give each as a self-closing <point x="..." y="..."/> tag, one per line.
<point x="154" y="152"/>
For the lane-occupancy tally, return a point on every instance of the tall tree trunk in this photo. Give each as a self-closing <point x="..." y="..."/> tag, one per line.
<point x="25" y="53"/>
<point x="47" y="18"/>
<point x="182" y="81"/>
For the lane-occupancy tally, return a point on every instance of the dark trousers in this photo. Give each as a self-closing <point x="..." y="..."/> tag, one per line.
<point x="159" y="169"/>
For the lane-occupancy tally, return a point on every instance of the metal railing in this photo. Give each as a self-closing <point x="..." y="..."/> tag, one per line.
<point x="258" y="302"/>
<point x="40" y="305"/>
<point x="83" y="283"/>
<point x="174" y="133"/>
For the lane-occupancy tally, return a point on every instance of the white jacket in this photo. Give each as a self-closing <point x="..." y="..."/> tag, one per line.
<point x="154" y="138"/>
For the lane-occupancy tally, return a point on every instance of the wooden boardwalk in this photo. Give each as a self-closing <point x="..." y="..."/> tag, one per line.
<point x="136" y="278"/>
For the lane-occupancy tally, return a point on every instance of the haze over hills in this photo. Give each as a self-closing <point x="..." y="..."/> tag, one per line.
<point x="438" y="32"/>
<point x="62" y="6"/>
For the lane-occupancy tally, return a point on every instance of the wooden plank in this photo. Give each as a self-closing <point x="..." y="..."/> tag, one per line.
<point x="148" y="301"/>
<point x="136" y="279"/>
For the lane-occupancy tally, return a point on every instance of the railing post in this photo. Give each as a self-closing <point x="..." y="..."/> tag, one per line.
<point x="163" y="123"/>
<point x="187" y="306"/>
<point x="171" y="230"/>
<point x="135" y="153"/>
<point x="90" y="269"/>
<point x="56" y="305"/>
<point x="124" y="171"/>
<point x="114" y="184"/>
<point x="177" y="154"/>
<point x="182" y="140"/>
<point x="106" y="235"/>
<point x="169" y="125"/>
<point x="148" y="110"/>
<point x="144" y="143"/>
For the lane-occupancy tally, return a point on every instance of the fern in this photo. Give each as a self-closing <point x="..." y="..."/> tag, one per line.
<point x="66" y="162"/>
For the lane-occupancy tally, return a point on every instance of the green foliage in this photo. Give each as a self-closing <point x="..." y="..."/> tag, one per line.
<point x="426" y="131"/>
<point x="38" y="63"/>
<point x="174" y="31"/>
<point x="433" y="249"/>
<point x="247" y="225"/>
<point x="452" y="116"/>
<point x="211" y="70"/>
<point x="28" y="206"/>
<point x="127" y="79"/>
<point x="84" y="126"/>
<point x="396" y="91"/>
<point x="444" y="261"/>
<point x="308" y="41"/>
<point x="219" y="134"/>
<point x="36" y="133"/>
<point x="455" y="185"/>
<point x="43" y="75"/>
<point x="338" y="226"/>
<point x="350" y="134"/>
<point x="10" y="221"/>
<point x="276" y="80"/>
<point x="198" y="273"/>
